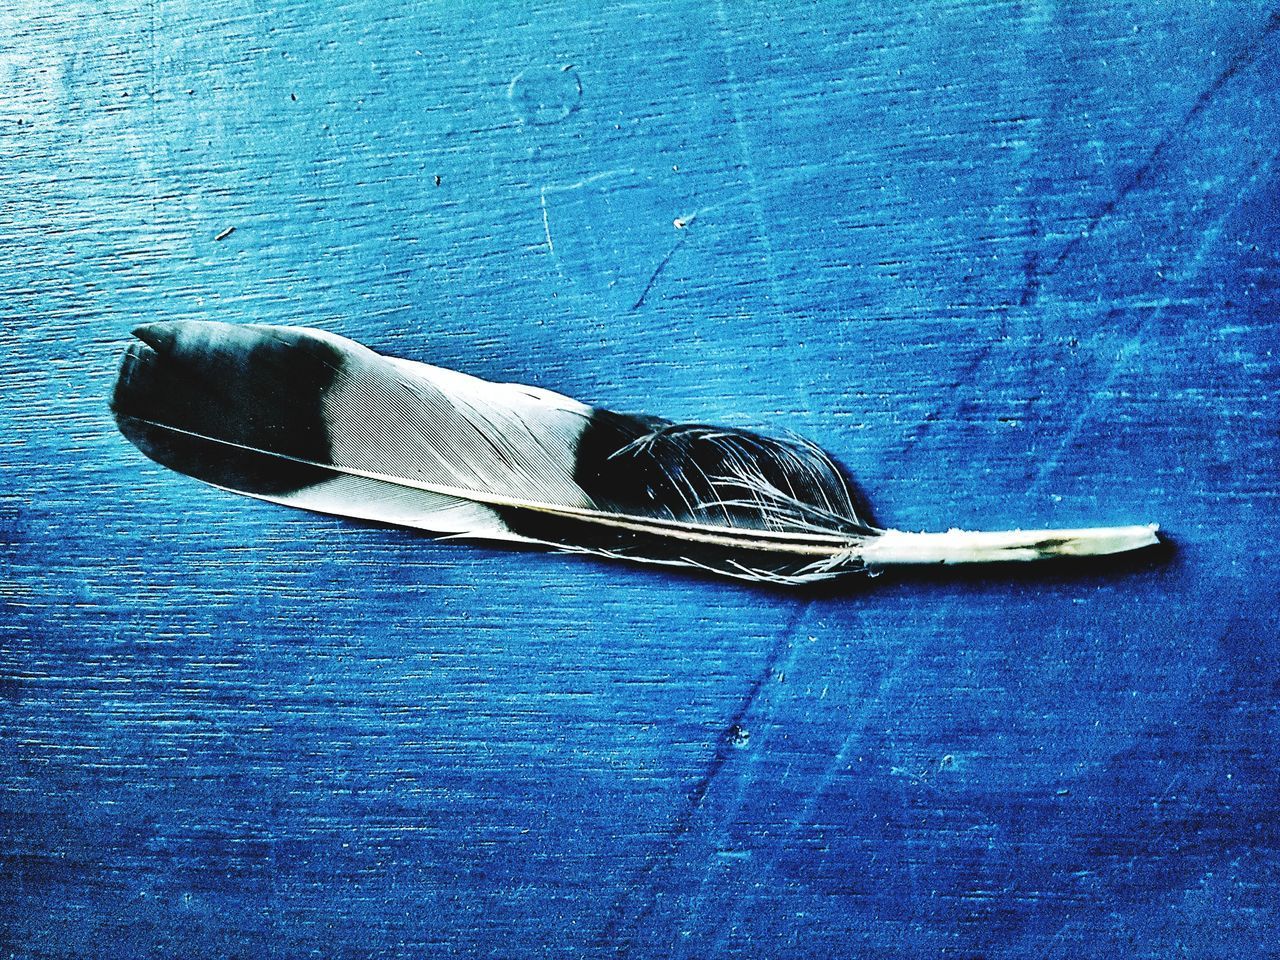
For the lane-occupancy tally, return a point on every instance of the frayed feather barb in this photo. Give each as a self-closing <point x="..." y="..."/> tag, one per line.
<point x="313" y="420"/>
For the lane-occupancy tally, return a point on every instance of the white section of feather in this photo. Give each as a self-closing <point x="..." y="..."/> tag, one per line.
<point x="383" y="502"/>
<point x="403" y="419"/>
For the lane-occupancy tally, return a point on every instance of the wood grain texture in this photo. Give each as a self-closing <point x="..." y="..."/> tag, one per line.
<point x="1015" y="264"/>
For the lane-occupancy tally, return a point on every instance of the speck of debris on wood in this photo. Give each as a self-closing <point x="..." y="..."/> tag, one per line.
<point x="437" y="179"/>
<point x="293" y="97"/>
<point x="738" y="736"/>
<point x="225" y="233"/>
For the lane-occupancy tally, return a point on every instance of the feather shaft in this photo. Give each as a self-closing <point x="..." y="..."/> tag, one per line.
<point x="783" y="541"/>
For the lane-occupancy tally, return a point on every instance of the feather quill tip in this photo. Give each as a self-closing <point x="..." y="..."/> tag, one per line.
<point x="895" y="547"/>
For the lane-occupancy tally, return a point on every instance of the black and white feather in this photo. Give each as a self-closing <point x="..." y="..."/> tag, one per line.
<point x="310" y="419"/>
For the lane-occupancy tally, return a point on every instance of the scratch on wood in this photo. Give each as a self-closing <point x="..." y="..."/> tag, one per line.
<point x="1034" y="277"/>
<point x="564" y="188"/>
<point x="839" y="760"/>
<point x="546" y="223"/>
<point x="728" y="742"/>
<point x="724" y="32"/>
<point x="1209" y="236"/>
<point x="1139" y="176"/>
<point x="662" y="264"/>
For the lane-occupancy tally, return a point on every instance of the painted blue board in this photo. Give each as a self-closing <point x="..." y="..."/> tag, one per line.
<point x="1015" y="264"/>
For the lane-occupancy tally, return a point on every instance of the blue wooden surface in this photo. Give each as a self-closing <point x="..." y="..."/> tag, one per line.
<point x="1015" y="264"/>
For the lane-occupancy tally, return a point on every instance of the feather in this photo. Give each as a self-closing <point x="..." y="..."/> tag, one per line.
<point x="310" y="419"/>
